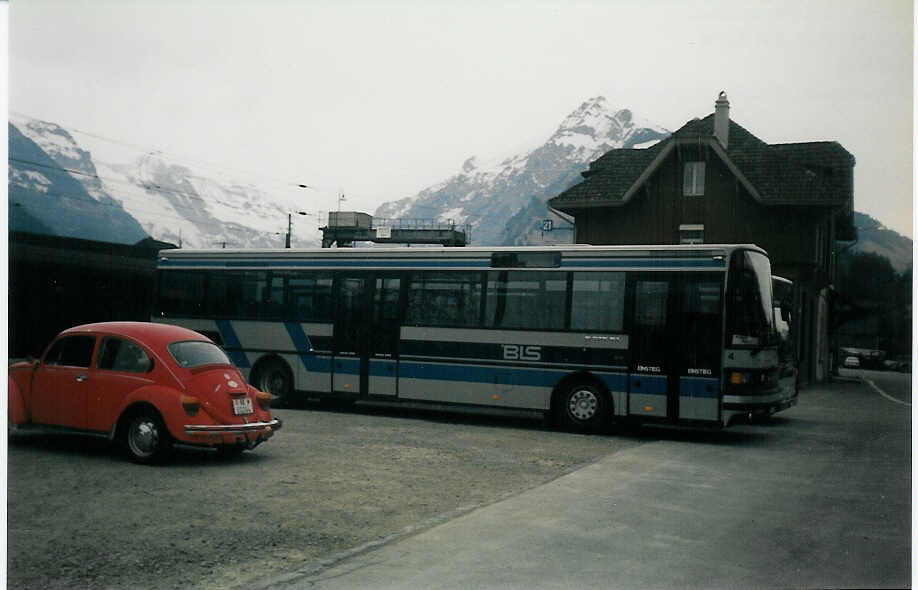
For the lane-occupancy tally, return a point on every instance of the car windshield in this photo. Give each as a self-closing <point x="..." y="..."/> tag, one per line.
<point x="195" y="353"/>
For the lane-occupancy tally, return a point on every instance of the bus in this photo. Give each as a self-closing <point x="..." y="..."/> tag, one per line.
<point x="586" y="334"/>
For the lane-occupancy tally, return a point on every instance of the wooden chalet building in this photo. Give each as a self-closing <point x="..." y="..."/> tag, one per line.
<point x="714" y="182"/>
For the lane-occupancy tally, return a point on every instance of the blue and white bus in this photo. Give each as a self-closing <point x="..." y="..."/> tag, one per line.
<point x="674" y="334"/>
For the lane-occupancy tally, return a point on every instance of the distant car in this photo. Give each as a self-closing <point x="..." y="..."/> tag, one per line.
<point x="852" y="362"/>
<point x="147" y="386"/>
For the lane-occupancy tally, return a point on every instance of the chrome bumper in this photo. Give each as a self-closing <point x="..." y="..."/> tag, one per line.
<point x="274" y="424"/>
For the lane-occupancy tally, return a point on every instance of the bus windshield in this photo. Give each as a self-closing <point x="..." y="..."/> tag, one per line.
<point x="750" y="316"/>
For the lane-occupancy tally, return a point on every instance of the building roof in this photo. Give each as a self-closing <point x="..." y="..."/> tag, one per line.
<point x="810" y="173"/>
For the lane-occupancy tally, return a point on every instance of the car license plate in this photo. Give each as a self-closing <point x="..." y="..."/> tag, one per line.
<point x="242" y="405"/>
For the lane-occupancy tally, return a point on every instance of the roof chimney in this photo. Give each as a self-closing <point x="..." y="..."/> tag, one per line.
<point x="722" y="118"/>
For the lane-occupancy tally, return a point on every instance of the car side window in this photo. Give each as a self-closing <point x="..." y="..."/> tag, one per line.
<point x="116" y="354"/>
<point x="71" y="351"/>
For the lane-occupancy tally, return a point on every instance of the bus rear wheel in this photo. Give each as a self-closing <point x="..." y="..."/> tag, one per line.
<point x="583" y="407"/>
<point x="273" y="376"/>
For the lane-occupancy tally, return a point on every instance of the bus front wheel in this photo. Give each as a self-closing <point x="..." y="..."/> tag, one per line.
<point x="273" y="376"/>
<point x="583" y="407"/>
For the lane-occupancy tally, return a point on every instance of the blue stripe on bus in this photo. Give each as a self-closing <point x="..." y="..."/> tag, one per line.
<point x="311" y="362"/>
<point x="699" y="387"/>
<point x="231" y="344"/>
<point x="648" y="384"/>
<point x="503" y="376"/>
<point x="347" y="365"/>
<point x="615" y="382"/>
<point x="382" y="368"/>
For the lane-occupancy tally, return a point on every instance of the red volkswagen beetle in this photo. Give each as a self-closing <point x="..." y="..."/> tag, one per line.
<point x="148" y="386"/>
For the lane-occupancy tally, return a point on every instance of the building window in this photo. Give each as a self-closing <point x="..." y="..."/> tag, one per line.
<point x="691" y="234"/>
<point x="693" y="179"/>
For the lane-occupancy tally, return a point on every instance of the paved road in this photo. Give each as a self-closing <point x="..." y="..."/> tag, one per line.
<point x="897" y="386"/>
<point x="819" y="497"/>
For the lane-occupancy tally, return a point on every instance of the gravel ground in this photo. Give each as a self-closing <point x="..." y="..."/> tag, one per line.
<point x="328" y="484"/>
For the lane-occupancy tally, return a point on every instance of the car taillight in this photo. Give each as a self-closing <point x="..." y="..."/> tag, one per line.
<point x="190" y="404"/>
<point x="263" y="399"/>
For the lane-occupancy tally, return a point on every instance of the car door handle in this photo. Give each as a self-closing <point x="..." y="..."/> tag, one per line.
<point x="80" y="378"/>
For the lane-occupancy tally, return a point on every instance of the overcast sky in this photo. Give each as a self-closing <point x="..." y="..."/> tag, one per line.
<point x="380" y="99"/>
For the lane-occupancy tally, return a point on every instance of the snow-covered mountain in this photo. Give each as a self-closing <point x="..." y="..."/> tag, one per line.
<point x="504" y="200"/>
<point x="46" y="199"/>
<point x="150" y="195"/>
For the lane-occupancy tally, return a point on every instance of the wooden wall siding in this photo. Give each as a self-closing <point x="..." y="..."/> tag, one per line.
<point x="727" y="211"/>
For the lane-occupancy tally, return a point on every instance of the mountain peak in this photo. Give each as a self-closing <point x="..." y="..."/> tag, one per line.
<point x="488" y="194"/>
<point x="594" y="128"/>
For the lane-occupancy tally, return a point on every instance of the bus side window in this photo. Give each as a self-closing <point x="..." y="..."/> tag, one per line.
<point x="444" y="299"/>
<point x="533" y="300"/>
<point x="598" y="301"/>
<point x="310" y="296"/>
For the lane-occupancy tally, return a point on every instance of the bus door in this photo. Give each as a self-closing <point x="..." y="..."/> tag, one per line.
<point x="383" y="337"/>
<point x="675" y="346"/>
<point x="700" y="328"/>
<point x="652" y="351"/>
<point x="366" y="334"/>
<point x="353" y="297"/>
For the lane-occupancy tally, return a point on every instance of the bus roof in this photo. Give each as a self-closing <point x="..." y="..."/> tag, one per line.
<point x="467" y="251"/>
<point x="572" y="257"/>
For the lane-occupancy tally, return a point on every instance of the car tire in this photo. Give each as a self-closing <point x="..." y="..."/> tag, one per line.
<point x="146" y="438"/>
<point x="583" y="407"/>
<point x="273" y="376"/>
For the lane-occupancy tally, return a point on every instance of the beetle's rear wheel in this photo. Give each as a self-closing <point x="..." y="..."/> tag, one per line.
<point x="146" y="438"/>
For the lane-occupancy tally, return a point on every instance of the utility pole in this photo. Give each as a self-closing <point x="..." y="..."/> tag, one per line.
<point x="289" y="229"/>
